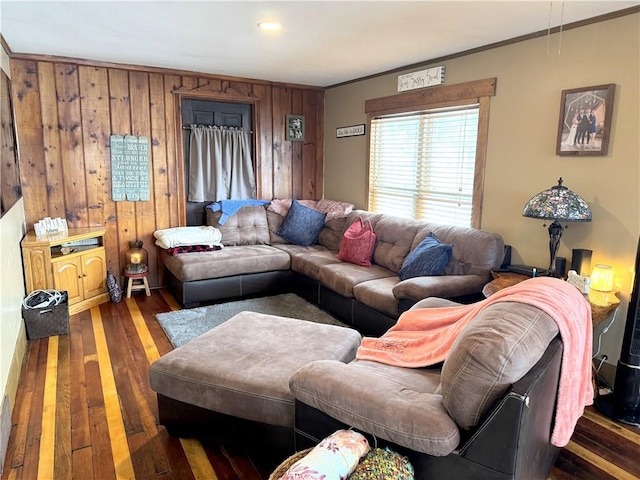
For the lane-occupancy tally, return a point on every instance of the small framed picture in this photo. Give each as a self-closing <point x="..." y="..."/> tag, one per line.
<point x="294" y="128"/>
<point x="585" y="120"/>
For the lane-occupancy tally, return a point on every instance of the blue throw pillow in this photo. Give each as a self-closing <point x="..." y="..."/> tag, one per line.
<point x="430" y="257"/>
<point x="302" y="225"/>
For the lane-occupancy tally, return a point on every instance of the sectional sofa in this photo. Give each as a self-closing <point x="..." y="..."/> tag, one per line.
<point x="256" y="260"/>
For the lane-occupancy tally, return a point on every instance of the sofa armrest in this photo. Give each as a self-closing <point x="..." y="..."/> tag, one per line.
<point x="445" y="286"/>
<point x="521" y="423"/>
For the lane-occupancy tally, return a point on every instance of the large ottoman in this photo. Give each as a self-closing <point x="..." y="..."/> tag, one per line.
<point x="231" y="384"/>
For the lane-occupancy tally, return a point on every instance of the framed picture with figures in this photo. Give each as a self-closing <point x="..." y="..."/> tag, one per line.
<point x="294" y="128"/>
<point x="584" y="126"/>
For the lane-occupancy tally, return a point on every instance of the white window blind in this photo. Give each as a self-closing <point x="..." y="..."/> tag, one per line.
<point x="422" y="164"/>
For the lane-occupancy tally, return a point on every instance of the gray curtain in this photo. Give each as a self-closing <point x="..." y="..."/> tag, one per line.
<point x="220" y="165"/>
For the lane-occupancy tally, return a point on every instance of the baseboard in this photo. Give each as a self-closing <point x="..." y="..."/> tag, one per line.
<point x="9" y="395"/>
<point x="5" y="430"/>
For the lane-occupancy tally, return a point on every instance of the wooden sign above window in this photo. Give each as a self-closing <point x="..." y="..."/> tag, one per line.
<point x="424" y="78"/>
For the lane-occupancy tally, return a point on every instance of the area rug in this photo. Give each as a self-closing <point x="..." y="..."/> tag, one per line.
<point x="184" y="325"/>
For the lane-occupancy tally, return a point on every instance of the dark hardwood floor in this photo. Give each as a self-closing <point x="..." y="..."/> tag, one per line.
<point x="85" y="410"/>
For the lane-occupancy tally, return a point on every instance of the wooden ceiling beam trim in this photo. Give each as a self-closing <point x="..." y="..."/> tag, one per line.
<point x="148" y="69"/>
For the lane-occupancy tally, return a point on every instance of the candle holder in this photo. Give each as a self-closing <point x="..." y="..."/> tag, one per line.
<point x="135" y="259"/>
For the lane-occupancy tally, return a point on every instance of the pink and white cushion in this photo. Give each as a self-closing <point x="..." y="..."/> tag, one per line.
<point x="336" y="457"/>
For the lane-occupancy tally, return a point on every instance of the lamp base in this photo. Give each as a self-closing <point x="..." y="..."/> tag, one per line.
<point x="555" y="233"/>
<point x="551" y="272"/>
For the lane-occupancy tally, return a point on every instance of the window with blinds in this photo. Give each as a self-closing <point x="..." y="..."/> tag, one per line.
<point x="422" y="164"/>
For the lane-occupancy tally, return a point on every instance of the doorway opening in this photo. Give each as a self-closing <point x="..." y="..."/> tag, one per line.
<point x="210" y="113"/>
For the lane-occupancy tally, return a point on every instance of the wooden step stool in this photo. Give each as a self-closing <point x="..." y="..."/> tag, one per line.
<point x="132" y="285"/>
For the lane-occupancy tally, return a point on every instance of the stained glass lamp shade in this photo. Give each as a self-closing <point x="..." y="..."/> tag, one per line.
<point x="558" y="204"/>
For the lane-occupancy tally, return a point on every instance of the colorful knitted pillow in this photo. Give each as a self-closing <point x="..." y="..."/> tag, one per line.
<point x="358" y="243"/>
<point x="383" y="463"/>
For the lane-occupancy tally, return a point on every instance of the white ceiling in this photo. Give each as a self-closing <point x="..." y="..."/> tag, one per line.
<point x="321" y="42"/>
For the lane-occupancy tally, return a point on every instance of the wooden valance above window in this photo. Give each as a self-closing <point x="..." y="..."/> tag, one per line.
<point x="432" y="97"/>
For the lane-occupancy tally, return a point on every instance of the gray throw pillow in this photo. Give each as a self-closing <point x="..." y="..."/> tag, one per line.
<point x="302" y="225"/>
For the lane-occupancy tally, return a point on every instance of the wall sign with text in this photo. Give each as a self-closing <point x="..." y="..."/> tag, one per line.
<point x="129" y="168"/>
<point x="424" y="78"/>
<point x="351" y="131"/>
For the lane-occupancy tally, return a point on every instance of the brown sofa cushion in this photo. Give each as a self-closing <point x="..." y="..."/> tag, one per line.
<point x="444" y="286"/>
<point x="309" y="264"/>
<point x="331" y="234"/>
<point x="394" y="239"/>
<point x="238" y="260"/>
<point x="378" y="294"/>
<point x="475" y="252"/>
<point x="248" y="226"/>
<point x="493" y="351"/>
<point x="342" y="277"/>
<point x="394" y="403"/>
<point x="274" y="220"/>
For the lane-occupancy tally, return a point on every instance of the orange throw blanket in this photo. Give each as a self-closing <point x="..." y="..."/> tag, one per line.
<point x="423" y="337"/>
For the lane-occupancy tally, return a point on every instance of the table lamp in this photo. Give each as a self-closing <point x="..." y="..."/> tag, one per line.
<point x="135" y="258"/>
<point x="601" y="285"/>
<point x="559" y="204"/>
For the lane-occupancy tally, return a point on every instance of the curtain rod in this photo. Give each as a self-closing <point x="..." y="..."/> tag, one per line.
<point x="189" y="128"/>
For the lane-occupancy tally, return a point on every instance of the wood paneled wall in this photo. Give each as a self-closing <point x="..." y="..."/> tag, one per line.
<point x="10" y="190"/>
<point x="66" y="111"/>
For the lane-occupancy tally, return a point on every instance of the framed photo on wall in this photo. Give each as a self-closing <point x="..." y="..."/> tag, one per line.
<point x="584" y="126"/>
<point x="294" y="128"/>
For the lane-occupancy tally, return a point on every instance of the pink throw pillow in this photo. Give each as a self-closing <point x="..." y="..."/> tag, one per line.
<point x="334" y="209"/>
<point x="281" y="206"/>
<point x="358" y="243"/>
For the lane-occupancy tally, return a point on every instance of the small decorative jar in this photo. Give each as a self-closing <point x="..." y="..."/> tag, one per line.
<point x="135" y="259"/>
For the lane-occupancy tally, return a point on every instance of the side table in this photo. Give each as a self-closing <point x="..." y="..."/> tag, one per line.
<point x="133" y="285"/>
<point x="502" y="280"/>
<point x="600" y="312"/>
<point x="506" y="279"/>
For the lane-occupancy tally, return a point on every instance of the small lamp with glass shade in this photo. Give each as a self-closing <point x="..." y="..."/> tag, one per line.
<point x="558" y="204"/>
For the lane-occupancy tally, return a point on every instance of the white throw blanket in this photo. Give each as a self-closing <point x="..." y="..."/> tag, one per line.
<point x="188" y="236"/>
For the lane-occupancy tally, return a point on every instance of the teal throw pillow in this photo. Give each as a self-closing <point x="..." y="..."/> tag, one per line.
<point x="429" y="258"/>
<point x="302" y="225"/>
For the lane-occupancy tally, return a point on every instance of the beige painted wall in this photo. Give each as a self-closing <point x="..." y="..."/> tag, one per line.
<point x="521" y="159"/>
<point x="12" y="334"/>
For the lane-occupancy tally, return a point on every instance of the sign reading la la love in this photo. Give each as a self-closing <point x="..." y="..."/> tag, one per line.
<point x="350" y="131"/>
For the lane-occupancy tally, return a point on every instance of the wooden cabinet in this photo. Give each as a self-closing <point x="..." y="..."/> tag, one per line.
<point x="82" y="273"/>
